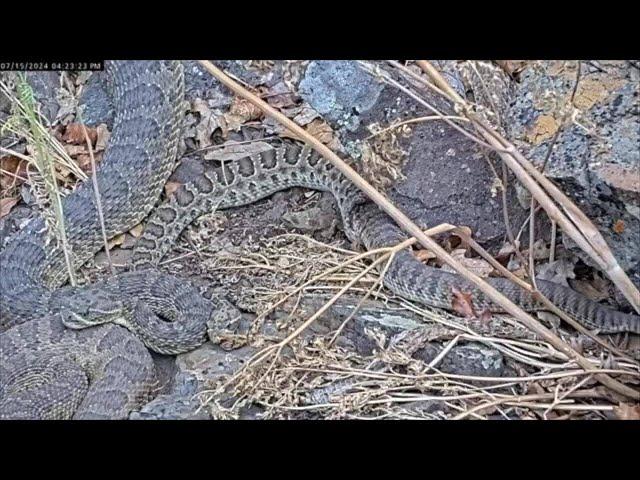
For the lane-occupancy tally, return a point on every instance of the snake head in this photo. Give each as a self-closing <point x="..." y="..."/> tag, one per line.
<point x="86" y="307"/>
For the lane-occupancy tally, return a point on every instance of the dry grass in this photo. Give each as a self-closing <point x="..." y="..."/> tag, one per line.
<point x="46" y="157"/>
<point x="309" y="375"/>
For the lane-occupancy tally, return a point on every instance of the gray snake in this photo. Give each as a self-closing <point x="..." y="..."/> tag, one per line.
<point x="148" y="100"/>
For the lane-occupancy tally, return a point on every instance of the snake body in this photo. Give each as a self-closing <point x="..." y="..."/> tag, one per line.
<point x="148" y="100"/>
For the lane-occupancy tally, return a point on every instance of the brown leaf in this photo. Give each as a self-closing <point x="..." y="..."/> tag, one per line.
<point x="74" y="134"/>
<point x="627" y="411"/>
<point x="619" y="226"/>
<point x="279" y="96"/>
<point x="513" y="67"/>
<point x="485" y="316"/>
<point x="593" y="290"/>
<point x="479" y="266"/>
<point x="424" y="255"/>
<point x="6" y="204"/>
<point x="506" y="251"/>
<point x="171" y="187"/>
<point x="16" y="167"/>
<point x="462" y="303"/>
<point x="319" y="129"/>
<point x="208" y="123"/>
<point x="75" y="150"/>
<point x="234" y="151"/>
<point x="241" y="112"/>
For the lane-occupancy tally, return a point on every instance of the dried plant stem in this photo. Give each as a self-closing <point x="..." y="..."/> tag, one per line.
<point x="44" y="162"/>
<point x="387" y="79"/>
<point x="408" y="226"/>
<point x="534" y="208"/>
<point x="526" y="399"/>
<point x="532" y="240"/>
<point x="96" y="193"/>
<point x="573" y="221"/>
<point x="417" y="120"/>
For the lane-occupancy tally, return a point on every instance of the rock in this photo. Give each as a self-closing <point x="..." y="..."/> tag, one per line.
<point x="340" y="91"/>
<point x="473" y="359"/>
<point x="595" y="162"/>
<point x="178" y="405"/>
<point x="404" y="332"/>
<point x="201" y="84"/>
<point x="196" y="371"/>
<point x="310" y="220"/>
<point x="446" y="177"/>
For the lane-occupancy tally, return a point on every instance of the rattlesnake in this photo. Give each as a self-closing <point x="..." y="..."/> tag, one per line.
<point x="54" y="372"/>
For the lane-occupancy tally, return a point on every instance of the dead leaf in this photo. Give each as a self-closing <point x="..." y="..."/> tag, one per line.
<point x="627" y="411"/>
<point x="241" y="112"/>
<point x="594" y="289"/>
<point x="209" y="122"/>
<point x="137" y="230"/>
<point x="462" y="303"/>
<point x="540" y="250"/>
<point x="171" y="187"/>
<point x="479" y="266"/>
<point x="234" y="151"/>
<point x="16" y="167"/>
<point x="6" y="204"/>
<point x="319" y="129"/>
<point x="74" y="134"/>
<point x="102" y="137"/>
<point x="424" y="255"/>
<point x="513" y="68"/>
<point x="117" y="240"/>
<point x="557" y="271"/>
<point x="75" y="150"/>
<point x="485" y="316"/>
<point x="619" y="226"/>
<point x="279" y="96"/>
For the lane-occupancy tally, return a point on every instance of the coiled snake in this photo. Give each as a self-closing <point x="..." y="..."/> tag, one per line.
<point x="49" y="371"/>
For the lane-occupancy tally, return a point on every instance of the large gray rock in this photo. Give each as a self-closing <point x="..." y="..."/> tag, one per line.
<point x="339" y="91"/>
<point x="596" y="161"/>
<point x="447" y="179"/>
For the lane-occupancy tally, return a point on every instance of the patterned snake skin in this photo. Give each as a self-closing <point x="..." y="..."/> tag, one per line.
<point x="49" y="371"/>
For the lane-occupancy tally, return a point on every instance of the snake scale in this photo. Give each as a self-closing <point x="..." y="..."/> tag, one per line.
<point x="52" y="366"/>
